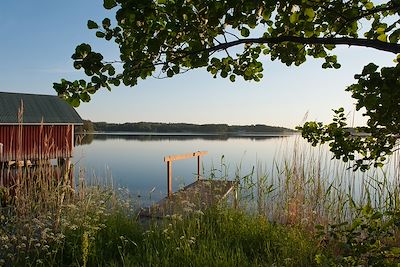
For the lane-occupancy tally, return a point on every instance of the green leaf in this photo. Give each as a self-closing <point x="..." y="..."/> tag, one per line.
<point x="117" y="82"/>
<point x="176" y="69"/>
<point x="382" y="37"/>
<point x="92" y="25"/>
<point x="170" y="73"/>
<point x="106" y="23"/>
<point x="266" y="15"/>
<point x="381" y="29"/>
<point x="111" y="71"/>
<point x="109" y="4"/>
<point x="309" y="12"/>
<point x="336" y="65"/>
<point x="369" y="5"/>
<point x="294" y="17"/>
<point x="74" y="101"/>
<point x="84" y="97"/>
<point x="100" y="34"/>
<point x="245" y="32"/>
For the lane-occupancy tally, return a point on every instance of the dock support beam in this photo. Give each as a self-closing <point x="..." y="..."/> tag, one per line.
<point x="169" y="160"/>
<point x="198" y="167"/>
<point x="169" y="178"/>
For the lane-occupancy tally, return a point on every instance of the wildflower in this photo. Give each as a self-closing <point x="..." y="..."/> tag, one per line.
<point x="187" y="210"/>
<point x="199" y="212"/>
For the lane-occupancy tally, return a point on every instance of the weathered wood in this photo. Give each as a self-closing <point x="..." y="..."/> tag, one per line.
<point x="169" y="177"/>
<point x="185" y="156"/>
<point x="198" y="167"/>
<point x="35" y="142"/>
<point x="195" y="197"/>
<point x="169" y="159"/>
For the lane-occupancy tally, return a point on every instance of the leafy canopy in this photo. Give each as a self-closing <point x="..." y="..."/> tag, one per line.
<point x="229" y="38"/>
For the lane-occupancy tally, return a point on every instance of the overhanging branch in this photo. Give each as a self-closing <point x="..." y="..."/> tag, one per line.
<point x="361" y="42"/>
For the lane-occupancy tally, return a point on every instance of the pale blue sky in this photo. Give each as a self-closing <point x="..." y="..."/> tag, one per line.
<point x="39" y="37"/>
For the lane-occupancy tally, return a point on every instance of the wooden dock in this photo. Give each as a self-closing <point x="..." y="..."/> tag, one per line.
<point x="197" y="196"/>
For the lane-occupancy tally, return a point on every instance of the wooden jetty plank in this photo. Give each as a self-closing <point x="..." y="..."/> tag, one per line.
<point x="196" y="196"/>
<point x="185" y="156"/>
<point x="169" y="159"/>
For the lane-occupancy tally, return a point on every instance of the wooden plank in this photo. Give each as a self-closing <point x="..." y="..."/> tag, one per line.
<point x="198" y="167"/>
<point x="169" y="177"/>
<point x="185" y="156"/>
<point x="195" y="197"/>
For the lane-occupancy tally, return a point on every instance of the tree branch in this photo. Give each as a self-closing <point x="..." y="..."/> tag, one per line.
<point x="383" y="46"/>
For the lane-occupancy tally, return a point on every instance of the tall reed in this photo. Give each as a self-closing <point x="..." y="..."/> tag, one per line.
<point x="304" y="185"/>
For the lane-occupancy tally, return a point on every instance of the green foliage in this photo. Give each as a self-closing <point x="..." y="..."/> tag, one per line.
<point x="169" y="37"/>
<point x="378" y="93"/>
<point x="173" y="36"/>
<point x="370" y="240"/>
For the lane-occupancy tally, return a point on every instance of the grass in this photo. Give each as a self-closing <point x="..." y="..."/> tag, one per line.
<point x="96" y="228"/>
<point x="305" y="211"/>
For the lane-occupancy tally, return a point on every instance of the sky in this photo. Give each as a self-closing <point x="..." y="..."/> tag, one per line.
<point x="37" y="39"/>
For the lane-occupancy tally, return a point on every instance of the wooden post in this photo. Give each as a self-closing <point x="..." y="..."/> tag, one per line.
<point x="198" y="167"/>
<point x="169" y="159"/>
<point x="169" y="177"/>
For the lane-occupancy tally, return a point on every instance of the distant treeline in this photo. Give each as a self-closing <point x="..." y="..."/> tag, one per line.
<point x="156" y="127"/>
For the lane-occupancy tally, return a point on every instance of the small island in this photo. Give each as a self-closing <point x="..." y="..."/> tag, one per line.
<point x="184" y="128"/>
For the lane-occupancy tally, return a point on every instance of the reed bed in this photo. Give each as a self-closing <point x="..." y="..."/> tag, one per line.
<point x="307" y="210"/>
<point x="304" y="185"/>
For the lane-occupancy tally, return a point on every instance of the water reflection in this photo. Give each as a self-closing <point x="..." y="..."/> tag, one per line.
<point x="136" y="161"/>
<point x="88" y="138"/>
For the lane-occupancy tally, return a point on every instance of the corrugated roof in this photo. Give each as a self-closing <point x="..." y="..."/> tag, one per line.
<point x="36" y="108"/>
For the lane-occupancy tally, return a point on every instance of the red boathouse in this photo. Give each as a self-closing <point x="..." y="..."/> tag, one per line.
<point x="35" y="127"/>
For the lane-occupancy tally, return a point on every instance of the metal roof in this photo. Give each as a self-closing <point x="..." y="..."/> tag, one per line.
<point x="47" y="109"/>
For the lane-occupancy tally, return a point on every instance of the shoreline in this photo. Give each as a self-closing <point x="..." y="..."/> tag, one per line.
<point x="233" y="134"/>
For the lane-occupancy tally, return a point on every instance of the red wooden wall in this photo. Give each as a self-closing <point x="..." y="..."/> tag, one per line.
<point x="33" y="142"/>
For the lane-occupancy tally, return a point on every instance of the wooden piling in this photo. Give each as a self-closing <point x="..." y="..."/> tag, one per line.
<point x="169" y="159"/>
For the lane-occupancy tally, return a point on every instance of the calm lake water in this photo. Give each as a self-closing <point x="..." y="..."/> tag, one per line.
<point x="135" y="161"/>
